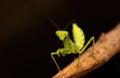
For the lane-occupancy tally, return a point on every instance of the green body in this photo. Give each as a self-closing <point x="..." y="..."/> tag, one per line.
<point x="76" y="47"/>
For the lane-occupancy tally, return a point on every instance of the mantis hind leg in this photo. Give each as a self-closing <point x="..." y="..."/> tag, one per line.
<point x="93" y="41"/>
<point x="54" y="53"/>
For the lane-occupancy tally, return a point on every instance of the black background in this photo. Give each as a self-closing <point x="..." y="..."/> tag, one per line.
<point x="27" y="37"/>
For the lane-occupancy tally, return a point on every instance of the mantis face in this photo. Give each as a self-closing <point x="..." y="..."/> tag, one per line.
<point x="61" y="34"/>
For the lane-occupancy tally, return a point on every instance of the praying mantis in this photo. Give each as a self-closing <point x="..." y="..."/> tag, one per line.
<point x="71" y="47"/>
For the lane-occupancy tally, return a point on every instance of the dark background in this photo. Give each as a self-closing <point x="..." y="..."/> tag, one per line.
<point x="27" y="37"/>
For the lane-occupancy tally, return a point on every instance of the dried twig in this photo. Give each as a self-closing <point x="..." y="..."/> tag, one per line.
<point x="107" y="46"/>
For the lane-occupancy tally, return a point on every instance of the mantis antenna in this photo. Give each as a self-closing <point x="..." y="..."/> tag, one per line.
<point x="69" y="23"/>
<point x="53" y="22"/>
<point x="57" y="25"/>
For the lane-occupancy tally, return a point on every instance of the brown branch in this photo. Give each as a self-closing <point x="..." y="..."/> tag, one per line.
<point x="107" y="46"/>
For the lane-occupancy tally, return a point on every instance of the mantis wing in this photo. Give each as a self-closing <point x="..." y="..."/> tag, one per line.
<point x="78" y="36"/>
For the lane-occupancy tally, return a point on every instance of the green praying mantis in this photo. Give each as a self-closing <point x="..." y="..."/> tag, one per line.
<point x="75" y="47"/>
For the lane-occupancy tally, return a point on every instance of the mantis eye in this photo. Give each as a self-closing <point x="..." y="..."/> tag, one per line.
<point x="61" y="34"/>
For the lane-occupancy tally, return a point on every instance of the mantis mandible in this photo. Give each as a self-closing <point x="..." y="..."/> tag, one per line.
<point x="76" y="47"/>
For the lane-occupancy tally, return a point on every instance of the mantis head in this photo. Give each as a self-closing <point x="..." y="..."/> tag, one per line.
<point x="61" y="34"/>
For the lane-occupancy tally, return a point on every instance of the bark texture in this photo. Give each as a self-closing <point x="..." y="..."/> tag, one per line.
<point x="105" y="48"/>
